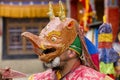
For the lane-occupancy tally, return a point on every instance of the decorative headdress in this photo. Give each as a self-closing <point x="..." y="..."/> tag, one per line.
<point x="76" y="46"/>
<point x="57" y="36"/>
<point x="53" y="39"/>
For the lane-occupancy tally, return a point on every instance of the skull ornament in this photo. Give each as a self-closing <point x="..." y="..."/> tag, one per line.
<point x="54" y="39"/>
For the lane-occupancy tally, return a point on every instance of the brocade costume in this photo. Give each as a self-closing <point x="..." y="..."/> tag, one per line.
<point x="80" y="73"/>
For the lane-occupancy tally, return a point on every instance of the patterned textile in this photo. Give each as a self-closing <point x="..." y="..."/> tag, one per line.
<point x="108" y="55"/>
<point x="93" y="51"/>
<point x="80" y="73"/>
<point x="107" y="68"/>
<point x="105" y="28"/>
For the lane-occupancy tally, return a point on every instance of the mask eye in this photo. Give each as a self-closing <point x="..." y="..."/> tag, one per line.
<point x="54" y="39"/>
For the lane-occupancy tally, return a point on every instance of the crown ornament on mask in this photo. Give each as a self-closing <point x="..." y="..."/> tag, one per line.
<point x="61" y="12"/>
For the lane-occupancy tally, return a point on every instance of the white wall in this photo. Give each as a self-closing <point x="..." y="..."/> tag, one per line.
<point x="26" y="65"/>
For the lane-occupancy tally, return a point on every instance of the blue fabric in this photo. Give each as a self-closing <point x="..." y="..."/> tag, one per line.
<point x="96" y="37"/>
<point x="105" y="28"/>
<point x="92" y="49"/>
<point x="108" y="55"/>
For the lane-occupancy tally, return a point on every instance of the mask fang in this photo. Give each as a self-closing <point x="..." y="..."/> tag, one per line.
<point x="61" y="12"/>
<point x="51" y="13"/>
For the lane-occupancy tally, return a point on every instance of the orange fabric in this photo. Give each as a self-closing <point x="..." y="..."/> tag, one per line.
<point x="31" y="11"/>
